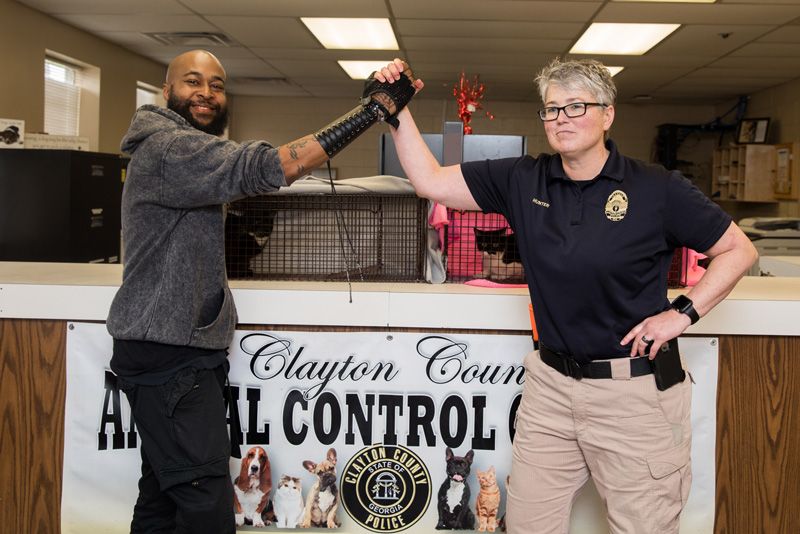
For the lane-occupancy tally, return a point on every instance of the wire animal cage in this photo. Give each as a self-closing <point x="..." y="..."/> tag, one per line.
<point x="676" y="276"/>
<point x="686" y="268"/>
<point x="481" y="246"/>
<point x="286" y="236"/>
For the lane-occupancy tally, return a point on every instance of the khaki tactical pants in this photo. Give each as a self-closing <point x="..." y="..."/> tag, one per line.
<point x="631" y="438"/>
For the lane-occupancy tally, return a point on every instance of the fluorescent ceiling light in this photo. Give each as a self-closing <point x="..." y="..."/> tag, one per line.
<point x="681" y="1"/>
<point x="360" y="70"/>
<point x="352" y="34"/>
<point x="614" y="70"/>
<point x="621" y="38"/>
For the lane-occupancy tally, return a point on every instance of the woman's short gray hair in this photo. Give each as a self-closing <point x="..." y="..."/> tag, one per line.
<point x="586" y="74"/>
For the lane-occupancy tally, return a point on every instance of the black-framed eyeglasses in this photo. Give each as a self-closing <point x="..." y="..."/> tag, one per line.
<point x="575" y="109"/>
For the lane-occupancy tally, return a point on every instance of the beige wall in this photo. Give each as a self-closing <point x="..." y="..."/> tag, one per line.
<point x="27" y="33"/>
<point x="782" y="105"/>
<point x="280" y="120"/>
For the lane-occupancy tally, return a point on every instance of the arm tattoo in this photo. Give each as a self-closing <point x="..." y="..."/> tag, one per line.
<point x="293" y="146"/>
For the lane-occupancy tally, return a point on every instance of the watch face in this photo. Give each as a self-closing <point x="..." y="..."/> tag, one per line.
<point x="682" y="303"/>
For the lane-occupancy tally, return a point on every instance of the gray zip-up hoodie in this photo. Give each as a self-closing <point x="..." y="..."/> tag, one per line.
<point x="174" y="288"/>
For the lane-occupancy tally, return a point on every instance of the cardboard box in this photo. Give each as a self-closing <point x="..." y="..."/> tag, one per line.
<point x="57" y="142"/>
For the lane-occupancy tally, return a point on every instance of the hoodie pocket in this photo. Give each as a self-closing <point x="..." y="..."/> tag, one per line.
<point x="218" y="331"/>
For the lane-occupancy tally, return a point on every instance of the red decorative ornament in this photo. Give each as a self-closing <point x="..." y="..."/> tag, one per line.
<point x="469" y="96"/>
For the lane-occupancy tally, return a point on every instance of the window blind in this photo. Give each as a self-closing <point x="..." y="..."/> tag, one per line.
<point x="62" y="98"/>
<point x="144" y="96"/>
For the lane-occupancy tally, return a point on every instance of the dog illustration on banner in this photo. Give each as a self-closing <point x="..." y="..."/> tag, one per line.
<point x="488" y="501"/>
<point x="453" y="505"/>
<point x="322" y="500"/>
<point x="288" y="502"/>
<point x="251" y="489"/>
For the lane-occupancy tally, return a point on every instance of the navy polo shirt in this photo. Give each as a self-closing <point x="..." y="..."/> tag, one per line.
<point x="596" y="253"/>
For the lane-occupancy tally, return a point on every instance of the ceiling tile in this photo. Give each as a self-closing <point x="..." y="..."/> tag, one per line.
<point x="761" y="64"/>
<point x="487" y="28"/>
<point x="767" y="50"/>
<point x="278" y="32"/>
<point x="715" y="88"/>
<point x="733" y="75"/>
<point x="148" y="46"/>
<point x="786" y="34"/>
<point x="533" y="46"/>
<point x="711" y="39"/>
<point x="793" y="2"/>
<point x="139" y="23"/>
<point x="473" y="57"/>
<point x="290" y="8"/>
<point x="325" y="87"/>
<point x="108" y="7"/>
<point x="514" y="10"/>
<point x="320" y="54"/>
<point x="654" y="77"/>
<point x="648" y="61"/>
<point x="265" y="89"/>
<point x="249" y="68"/>
<point x="295" y="67"/>
<point x="755" y="13"/>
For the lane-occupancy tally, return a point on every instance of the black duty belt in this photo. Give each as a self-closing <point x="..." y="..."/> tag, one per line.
<point x="567" y="366"/>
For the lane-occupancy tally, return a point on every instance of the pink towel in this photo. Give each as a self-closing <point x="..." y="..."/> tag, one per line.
<point x="438" y="220"/>
<point x="483" y="282"/>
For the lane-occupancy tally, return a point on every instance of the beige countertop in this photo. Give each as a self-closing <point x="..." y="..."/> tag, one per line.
<point x="83" y="292"/>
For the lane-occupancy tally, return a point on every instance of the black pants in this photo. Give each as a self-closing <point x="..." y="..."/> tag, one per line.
<point x="185" y="485"/>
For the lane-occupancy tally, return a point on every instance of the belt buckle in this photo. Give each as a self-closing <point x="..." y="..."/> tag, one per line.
<point x="573" y="368"/>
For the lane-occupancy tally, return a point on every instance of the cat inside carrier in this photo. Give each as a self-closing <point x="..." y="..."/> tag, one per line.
<point x="482" y="246"/>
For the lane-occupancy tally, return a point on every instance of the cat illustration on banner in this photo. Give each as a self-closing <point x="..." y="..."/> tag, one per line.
<point x="288" y="502"/>
<point x="488" y="501"/>
<point x="499" y="254"/>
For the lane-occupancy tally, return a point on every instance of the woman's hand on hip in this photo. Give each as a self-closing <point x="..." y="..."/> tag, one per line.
<point x="655" y="331"/>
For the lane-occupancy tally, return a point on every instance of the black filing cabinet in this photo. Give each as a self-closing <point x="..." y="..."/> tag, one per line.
<point x="60" y="206"/>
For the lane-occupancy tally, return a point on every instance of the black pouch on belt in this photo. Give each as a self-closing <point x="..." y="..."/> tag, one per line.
<point x="667" y="368"/>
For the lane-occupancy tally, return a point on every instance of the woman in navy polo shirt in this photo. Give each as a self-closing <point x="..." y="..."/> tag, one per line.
<point x="596" y="232"/>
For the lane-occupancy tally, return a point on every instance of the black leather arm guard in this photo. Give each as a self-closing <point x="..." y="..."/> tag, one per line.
<point x="341" y="132"/>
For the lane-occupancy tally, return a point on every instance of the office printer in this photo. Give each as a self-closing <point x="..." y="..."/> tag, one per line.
<point x="773" y="236"/>
<point x="777" y="240"/>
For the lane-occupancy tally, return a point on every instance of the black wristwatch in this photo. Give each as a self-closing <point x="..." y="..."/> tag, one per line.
<point x="684" y="304"/>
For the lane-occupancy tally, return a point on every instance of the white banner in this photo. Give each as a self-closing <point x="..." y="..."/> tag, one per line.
<point x="300" y="394"/>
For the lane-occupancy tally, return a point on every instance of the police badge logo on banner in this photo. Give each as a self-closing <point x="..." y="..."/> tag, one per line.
<point x="386" y="488"/>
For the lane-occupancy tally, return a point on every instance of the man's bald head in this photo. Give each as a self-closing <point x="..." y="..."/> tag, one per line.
<point x="187" y="61"/>
<point x="195" y="89"/>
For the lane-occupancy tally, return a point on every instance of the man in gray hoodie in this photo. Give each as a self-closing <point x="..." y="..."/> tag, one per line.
<point x="174" y="317"/>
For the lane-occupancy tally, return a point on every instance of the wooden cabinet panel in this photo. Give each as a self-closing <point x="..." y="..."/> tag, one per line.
<point x="33" y="380"/>
<point x="787" y="171"/>
<point x="744" y="173"/>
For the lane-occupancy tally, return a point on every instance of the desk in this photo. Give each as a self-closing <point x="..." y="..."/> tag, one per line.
<point x="758" y="403"/>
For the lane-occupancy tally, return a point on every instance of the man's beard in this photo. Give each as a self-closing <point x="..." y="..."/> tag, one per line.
<point x="183" y="108"/>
